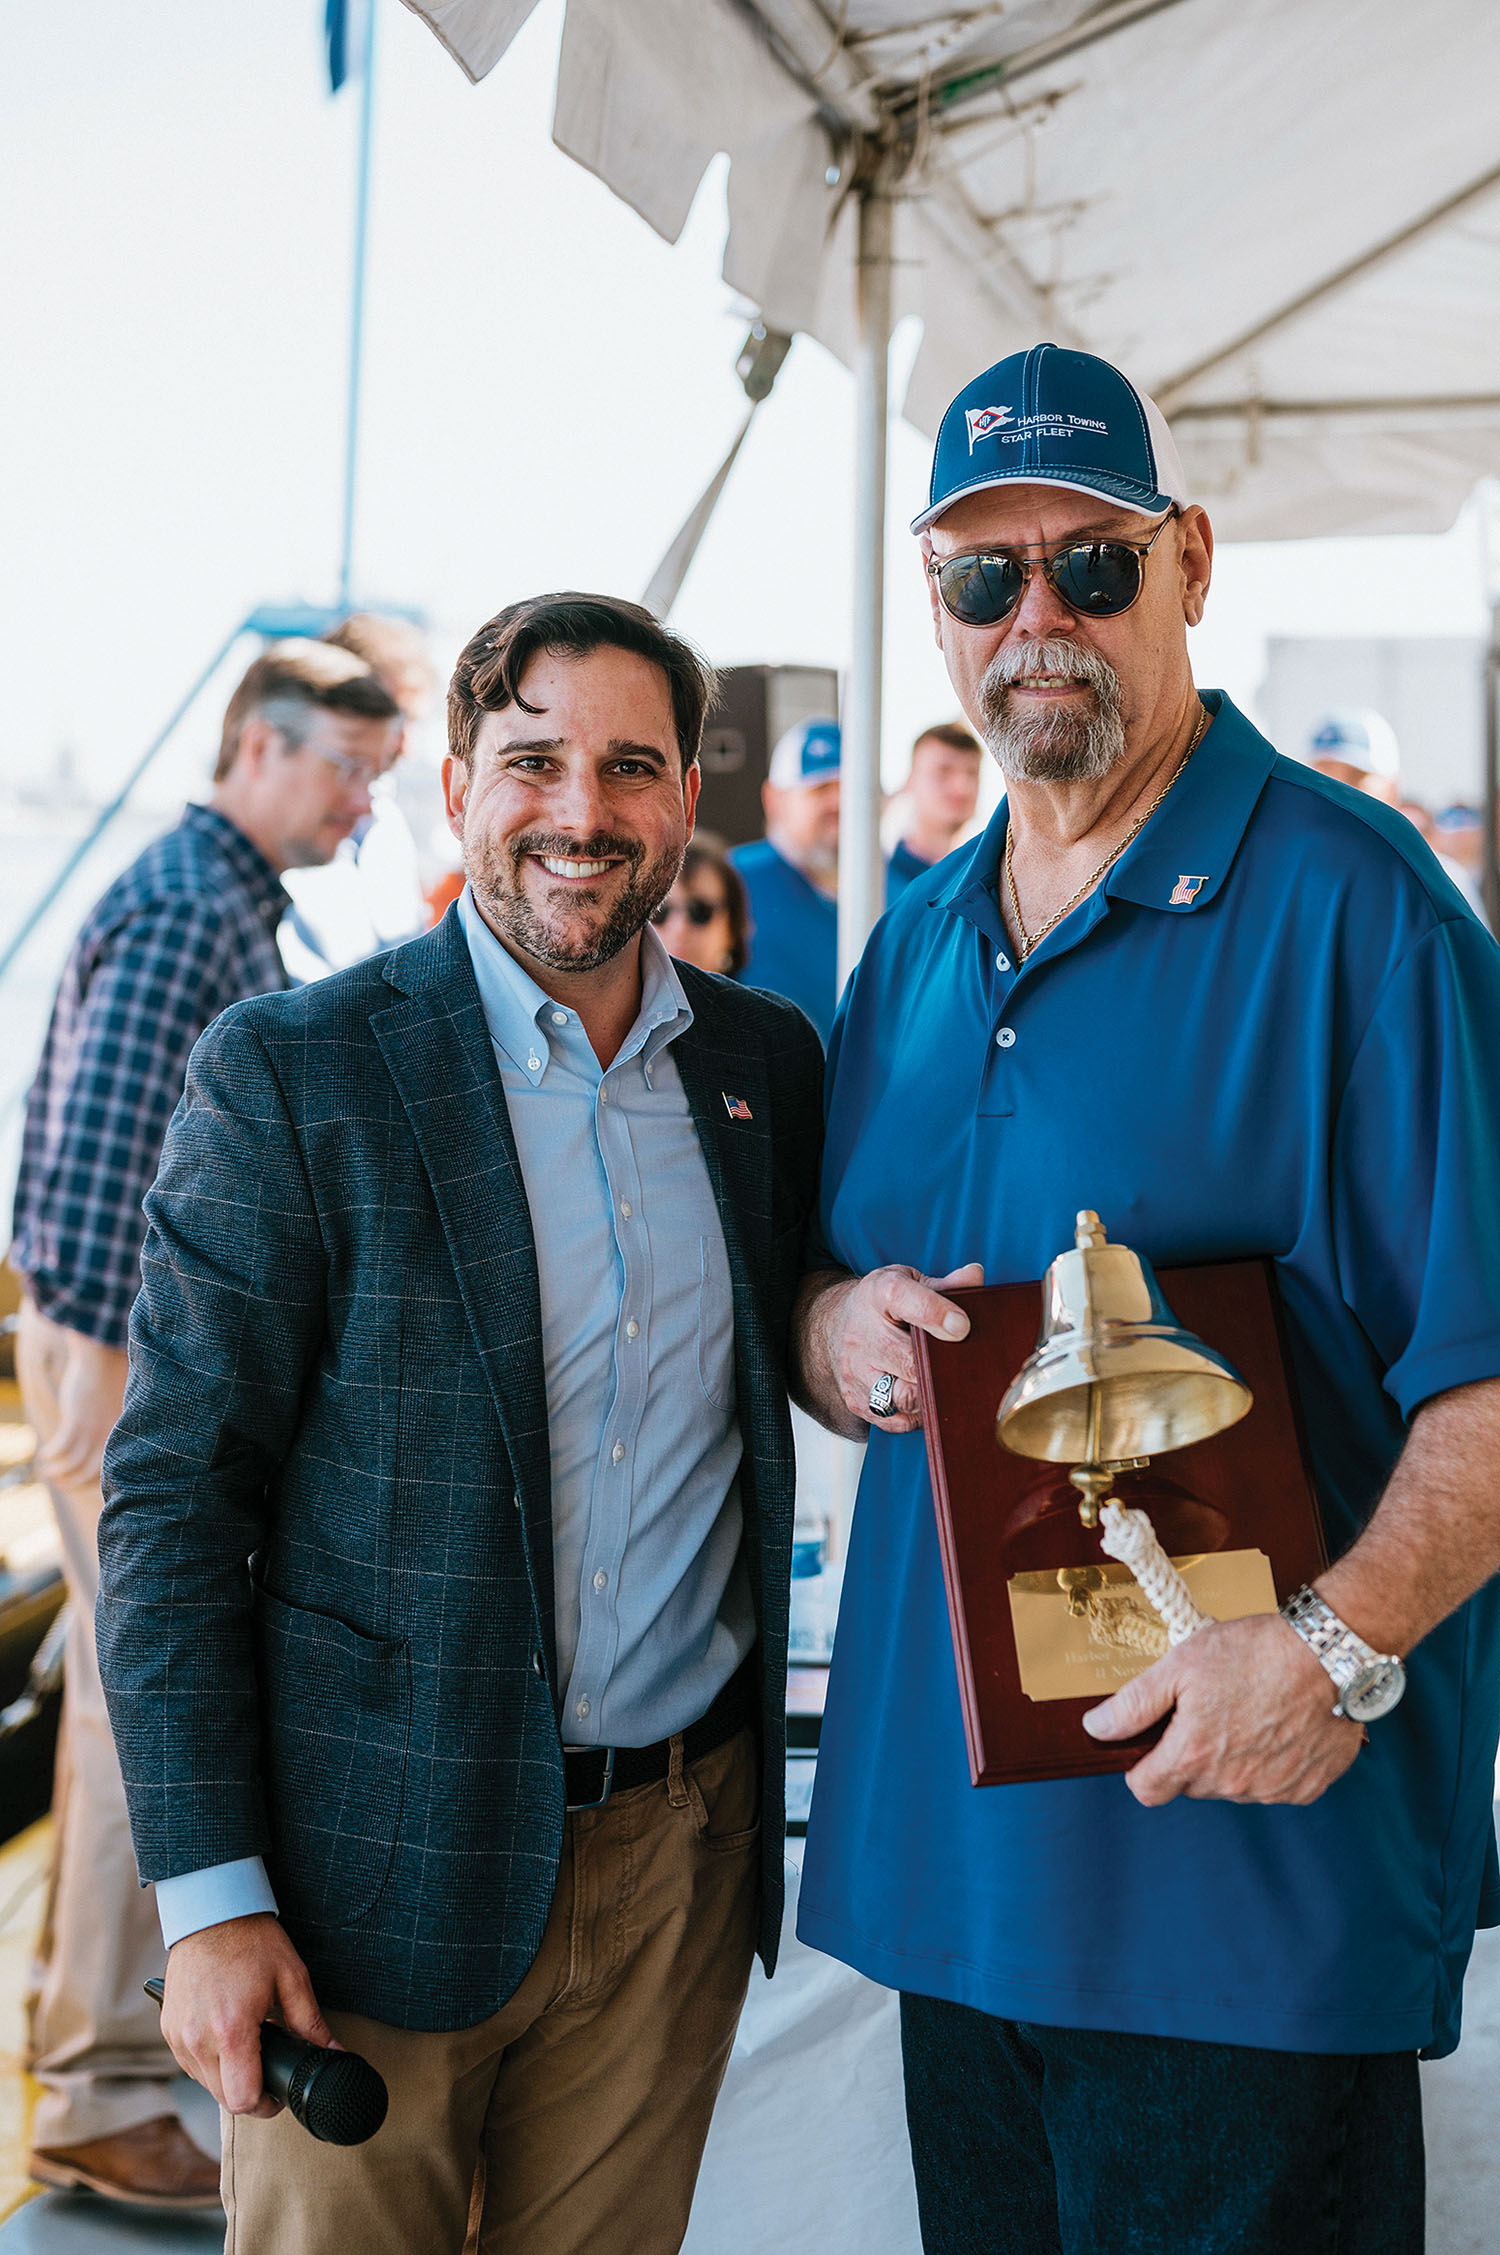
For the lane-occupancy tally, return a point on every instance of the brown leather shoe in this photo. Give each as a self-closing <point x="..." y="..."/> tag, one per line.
<point x="155" y="2164"/>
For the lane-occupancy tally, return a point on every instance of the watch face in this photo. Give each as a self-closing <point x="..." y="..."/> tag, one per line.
<point x="1373" y="1691"/>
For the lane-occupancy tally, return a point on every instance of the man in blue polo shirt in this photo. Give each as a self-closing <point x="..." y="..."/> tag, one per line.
<point x="792" y="874"/>
<point x="1239" y="1010"/>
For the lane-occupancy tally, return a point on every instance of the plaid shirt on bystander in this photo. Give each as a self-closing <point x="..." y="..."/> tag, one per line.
<point x="187" y="929"/>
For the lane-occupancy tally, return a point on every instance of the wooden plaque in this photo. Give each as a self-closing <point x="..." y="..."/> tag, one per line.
<point x="1238" y="1513"/>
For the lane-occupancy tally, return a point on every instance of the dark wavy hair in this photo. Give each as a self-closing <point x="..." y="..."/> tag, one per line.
<point x="489" y="670"/>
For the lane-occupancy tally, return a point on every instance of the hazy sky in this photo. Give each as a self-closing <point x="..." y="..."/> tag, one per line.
<point x="548" y="388"/>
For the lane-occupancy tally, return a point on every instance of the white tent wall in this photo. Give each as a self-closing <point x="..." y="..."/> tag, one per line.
<point x="1281" y="217"/>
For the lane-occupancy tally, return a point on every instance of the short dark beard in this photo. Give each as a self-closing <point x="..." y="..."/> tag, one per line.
<point x="495" y="876"/>
<point x="1060" y="746"/>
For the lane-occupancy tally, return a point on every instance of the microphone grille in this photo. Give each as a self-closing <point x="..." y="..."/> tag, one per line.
<point x="338" y="2096"/>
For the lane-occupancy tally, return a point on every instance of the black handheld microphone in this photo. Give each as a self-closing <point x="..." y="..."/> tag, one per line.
<point x="335" y="2095"/>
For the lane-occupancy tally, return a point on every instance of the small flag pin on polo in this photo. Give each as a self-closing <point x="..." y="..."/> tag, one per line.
<point x="1186" y="891"/>
<point x="735" y="1106"/>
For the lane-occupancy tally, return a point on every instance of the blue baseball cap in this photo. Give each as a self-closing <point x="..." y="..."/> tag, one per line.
<point x="808" y="753"/>
<point x="1053" y="417"/>
<point x="1357" y="738"/>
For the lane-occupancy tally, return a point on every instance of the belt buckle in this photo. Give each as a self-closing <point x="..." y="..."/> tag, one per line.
<point x="599" y="1799"/>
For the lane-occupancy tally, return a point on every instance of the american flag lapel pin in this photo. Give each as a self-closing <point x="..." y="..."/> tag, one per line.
<point x="1186" y="891"/>
<point x="736" y="1106"/>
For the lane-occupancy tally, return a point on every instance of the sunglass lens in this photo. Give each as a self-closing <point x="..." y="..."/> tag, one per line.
<point x="980" y="590"/>
<point x="1099" y="578"/>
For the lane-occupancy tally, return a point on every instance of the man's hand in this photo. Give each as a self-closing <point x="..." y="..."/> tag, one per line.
<point x="1254" y="1718"/>
<point x="89" y="1394"/>
<point x="222" y="1982"/>
<point x="850" y="1329"/>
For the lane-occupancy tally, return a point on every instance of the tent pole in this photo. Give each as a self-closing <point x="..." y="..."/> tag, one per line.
<point x="1490" y="872"/>
<point x="861" y="877"/>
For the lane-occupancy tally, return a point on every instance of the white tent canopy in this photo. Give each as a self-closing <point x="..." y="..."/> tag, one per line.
<point x="1280" y="217"/>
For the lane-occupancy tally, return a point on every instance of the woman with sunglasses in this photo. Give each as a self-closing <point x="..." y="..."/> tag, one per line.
<point x="705" y="918"/>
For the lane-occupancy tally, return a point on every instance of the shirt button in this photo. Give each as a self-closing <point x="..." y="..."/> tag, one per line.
<point x="581" y="1709"/>
<point x="533" y="1063"/>
<point x="617" y="1453"/>
<point x="1002" y="962"/>
<point x="632" y="1329"/>
<point x="626" y="1208"/>
<point x="603" y="1094"/>
<point x="559" y="1017"/>
<point x="601" y="1579"/>
<point x="1006" y="1038"/>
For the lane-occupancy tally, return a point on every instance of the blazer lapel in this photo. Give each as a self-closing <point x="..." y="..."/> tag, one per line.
<point x="437" y="1049"/>
<point x="718" y="1070"/>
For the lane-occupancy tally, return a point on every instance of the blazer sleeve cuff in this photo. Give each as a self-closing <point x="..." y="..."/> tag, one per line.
<point x="195" y="1899"/>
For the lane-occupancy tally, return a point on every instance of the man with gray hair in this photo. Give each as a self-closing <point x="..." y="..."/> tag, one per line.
<point x="1239" y="1010"/>
<point x="189" y="928"/>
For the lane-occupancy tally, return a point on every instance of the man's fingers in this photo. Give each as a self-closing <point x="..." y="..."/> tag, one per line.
<point x="1136" y="1705"/>
<point x="239" y="2075"/>
<point x="911" y="1301"/>
<point x="957" y="1279"/>
<point x="299" y="2011"/>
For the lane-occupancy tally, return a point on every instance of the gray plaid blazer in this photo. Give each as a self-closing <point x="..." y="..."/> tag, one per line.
<point x="325" y="1611"/>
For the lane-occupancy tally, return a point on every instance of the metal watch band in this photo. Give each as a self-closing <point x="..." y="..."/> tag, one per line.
<point x="1342" y="1652"/>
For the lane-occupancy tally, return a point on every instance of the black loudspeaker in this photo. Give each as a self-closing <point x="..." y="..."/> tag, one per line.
<point x="755" y="706"/>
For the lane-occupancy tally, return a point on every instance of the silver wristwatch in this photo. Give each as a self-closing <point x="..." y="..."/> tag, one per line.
<point x="1369" y="1683"/>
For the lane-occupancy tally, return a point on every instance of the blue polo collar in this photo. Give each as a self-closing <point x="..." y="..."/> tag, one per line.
<point x="1182" y="857"/>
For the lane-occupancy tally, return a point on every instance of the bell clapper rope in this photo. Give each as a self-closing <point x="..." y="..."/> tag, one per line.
<point x="1128" y="1535"/>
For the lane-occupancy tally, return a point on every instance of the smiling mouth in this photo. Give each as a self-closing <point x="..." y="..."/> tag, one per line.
<point x="556" y="867"/>
<point x="1048" y="681"/>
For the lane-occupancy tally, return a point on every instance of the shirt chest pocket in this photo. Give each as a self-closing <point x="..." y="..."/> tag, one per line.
<point x="715" y="1324"/>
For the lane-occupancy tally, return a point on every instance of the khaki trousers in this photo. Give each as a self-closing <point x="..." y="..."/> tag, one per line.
<point x="573" y="2122"/>
<point x="95" y="2046"/>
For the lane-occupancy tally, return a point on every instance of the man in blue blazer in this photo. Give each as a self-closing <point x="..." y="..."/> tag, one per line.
<point x="443" y="1614"/>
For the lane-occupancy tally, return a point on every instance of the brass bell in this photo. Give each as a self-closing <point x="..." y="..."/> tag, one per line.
<point x="1114" y="1378"/>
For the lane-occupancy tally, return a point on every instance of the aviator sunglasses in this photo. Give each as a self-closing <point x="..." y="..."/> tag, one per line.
<point x="696" y="911"/>
<point x="1096" y="578"/>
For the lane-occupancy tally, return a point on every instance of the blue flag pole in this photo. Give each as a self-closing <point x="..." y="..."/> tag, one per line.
<point x="338" y="63"/>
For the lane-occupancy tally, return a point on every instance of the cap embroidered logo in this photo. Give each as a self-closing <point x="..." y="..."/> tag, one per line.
<point x="983" y="420"/>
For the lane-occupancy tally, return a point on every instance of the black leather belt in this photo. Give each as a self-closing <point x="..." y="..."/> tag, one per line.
<point x="593" y="1773"/>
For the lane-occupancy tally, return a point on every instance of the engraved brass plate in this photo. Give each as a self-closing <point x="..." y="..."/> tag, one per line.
<point x="1082" y="1631"/>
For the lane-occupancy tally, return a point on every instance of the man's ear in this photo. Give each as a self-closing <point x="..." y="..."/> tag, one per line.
<point x="1197" y="562"/>
<point x="930" y="583"/>
<point x="455" y="792"/>
<point x="692" y="784"/>
<point x="258" y="739"/>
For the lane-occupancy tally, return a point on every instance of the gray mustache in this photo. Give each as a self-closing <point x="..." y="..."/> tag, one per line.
<point x="1019" y="660"/>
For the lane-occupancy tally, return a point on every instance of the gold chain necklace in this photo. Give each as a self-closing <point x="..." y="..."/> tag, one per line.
<point x="1029" y="940"/>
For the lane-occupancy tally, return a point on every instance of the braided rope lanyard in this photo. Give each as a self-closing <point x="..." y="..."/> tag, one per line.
<point x="1128" y="1535"/>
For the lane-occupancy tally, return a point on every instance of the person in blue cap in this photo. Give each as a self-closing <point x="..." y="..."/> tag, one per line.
<point x="1238" y="1009"/>
<point x="792" y="874"/>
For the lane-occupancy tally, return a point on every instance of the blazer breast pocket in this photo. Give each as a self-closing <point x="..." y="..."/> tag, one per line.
<point x="336" y="1706"/>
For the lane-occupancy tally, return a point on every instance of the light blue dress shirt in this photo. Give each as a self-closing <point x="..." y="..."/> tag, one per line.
<point x="653" y="1611"/>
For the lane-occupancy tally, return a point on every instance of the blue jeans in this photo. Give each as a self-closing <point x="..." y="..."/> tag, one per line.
<point x="1065" y="2141"/>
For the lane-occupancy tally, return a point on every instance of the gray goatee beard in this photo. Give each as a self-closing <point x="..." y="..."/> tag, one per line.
<point x="1059" y="746"/>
